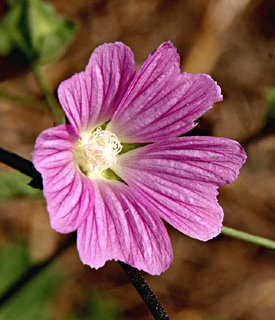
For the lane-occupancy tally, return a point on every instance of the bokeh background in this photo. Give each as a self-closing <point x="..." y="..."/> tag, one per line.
<point x="223" y="279"/>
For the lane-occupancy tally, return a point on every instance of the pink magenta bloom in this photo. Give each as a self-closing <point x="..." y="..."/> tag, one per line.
<point x="97" y="181"/>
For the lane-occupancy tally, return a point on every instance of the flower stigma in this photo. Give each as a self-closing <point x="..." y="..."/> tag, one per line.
<point x="96" y="151"/>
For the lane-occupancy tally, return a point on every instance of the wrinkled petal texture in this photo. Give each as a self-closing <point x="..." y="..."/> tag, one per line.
<point x="68" y="192"/>
<point x="161" y="102"/>
<point x="179" y="176"/>
<point x="123" y="227"/>
<point x="91" y="97"/>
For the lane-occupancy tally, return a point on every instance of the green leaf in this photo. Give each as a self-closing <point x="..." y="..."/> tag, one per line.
<point x="33" y="32"/>
<point x="14" y="262"/>
<point x="96" y="307"/>
<point x="31" y="302"/>
<point x="269" y="116"/>
<point x="270" y="101"/>
<point x="14" y="184"/>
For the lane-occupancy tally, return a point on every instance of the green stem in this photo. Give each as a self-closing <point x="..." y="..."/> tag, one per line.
<point x="50" y="98"/>
<point x="270" y="244"/>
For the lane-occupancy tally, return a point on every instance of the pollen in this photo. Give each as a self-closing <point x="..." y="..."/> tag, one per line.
<point x="97" y="151"/>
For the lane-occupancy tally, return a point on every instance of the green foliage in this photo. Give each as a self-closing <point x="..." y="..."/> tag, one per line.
<point x="270" y="100"/>
<point x="30" y="303"/>
<point x="269" y="115"/>
<point x="96" y="307"/>
<point x="14" y="262"/>
<point x="33" y="33"/>
<point x="15" y="184"/>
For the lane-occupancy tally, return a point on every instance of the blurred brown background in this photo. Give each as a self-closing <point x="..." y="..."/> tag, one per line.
<point x="233" y="41"/>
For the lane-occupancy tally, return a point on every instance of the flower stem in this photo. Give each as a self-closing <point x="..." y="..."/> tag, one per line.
<point x="133" y="274"/>
<point x="50" y="98"/>
<point x="26" y="167"/>
<point x="145" y="292"/>
<point x="270" y="244"/>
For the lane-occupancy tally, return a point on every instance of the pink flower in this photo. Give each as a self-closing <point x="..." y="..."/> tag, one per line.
<point x="115" y="197"/>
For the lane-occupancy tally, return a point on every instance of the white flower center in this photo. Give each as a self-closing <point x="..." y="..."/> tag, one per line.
<point x="97" y="151"/>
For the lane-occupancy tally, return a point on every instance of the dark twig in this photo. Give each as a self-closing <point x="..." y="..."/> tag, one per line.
<point x="145" y="292"/>
<point x="23" y="165"/>
<point x="133" y="274"/>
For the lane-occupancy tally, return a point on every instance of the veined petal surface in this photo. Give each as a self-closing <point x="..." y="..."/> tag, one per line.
<point x="69" y="193"/>
<point x="91" y="97"/>
<point x="161" y="102"/>
<point x="179" y="176"/>
<point x="122" y="226"/>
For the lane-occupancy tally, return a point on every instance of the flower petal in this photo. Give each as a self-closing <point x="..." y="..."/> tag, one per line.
<point x="123" y="227"/>
<point x="161" y="102"/>
<point x="179" y="176"/>
<point x="68" y="192"/>
<point x="91" y="97"/>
